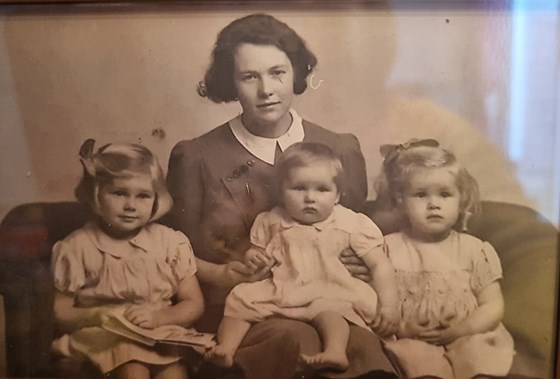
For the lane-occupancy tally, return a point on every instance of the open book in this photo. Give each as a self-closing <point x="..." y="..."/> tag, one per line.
<point x="163" y="336"/>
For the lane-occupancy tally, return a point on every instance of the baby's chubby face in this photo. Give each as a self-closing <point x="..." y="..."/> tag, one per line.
<point x="309" y="193"/>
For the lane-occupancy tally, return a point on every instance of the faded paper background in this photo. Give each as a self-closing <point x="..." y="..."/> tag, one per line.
<point x="483" y="81"/>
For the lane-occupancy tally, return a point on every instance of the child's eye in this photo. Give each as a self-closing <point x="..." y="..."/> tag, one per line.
<point x="446" y="194"/>
<point x="420" y="194"/>
<point x="119" y="193"/>
<point x="145" y="196"/>
<point x="298" y="188"/>
<point x="324" y="189"/>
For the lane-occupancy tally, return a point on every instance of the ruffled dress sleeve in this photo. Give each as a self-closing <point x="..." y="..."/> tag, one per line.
<point x="365" y="236"/>
<point x="68" y="267"/>
<point x="181" y="257"/>
<point x="486" y="267"/>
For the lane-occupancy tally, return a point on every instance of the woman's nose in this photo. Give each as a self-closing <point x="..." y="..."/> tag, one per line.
<point x="266" y="87"/>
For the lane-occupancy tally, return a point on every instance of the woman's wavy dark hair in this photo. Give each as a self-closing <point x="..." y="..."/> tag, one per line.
<point x="258" y="29"/>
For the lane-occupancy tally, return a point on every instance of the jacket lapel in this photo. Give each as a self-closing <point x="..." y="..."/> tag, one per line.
<point x="243" y="175"/>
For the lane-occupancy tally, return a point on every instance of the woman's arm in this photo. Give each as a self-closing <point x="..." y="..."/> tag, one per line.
<point x="185" y="183"/>
<point x="230" y="274"/>
<point x="70" y="318"/>
<point x="486" y="317"/>
<point x="355" y="189"/>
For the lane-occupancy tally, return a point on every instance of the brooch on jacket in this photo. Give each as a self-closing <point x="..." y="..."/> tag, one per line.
<point x="241" y="170"/>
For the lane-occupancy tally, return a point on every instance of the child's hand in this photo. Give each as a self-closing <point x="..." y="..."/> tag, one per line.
<point x="386" y="322"/>
<point x="411" y="330"/>
<point x="439" y="335"/>
<point x="145" y="315"/>
<point x="256" y="259"/>
<point x="102" y="313"/>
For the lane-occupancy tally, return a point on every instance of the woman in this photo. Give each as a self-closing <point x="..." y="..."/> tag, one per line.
<point x="221" y="180"/>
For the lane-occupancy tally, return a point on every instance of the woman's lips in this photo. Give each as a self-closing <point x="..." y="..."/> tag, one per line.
<point x="267" y="105"/>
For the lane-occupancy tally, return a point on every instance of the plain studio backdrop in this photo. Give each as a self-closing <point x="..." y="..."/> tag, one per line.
<point x="484" y="81"/>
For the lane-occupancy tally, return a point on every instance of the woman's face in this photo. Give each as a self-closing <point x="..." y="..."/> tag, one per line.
<point x="264" y="79"/>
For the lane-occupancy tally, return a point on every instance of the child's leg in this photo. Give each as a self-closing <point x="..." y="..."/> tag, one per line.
<point x="230" y="335"/>
<point x="175" y="370"/>
<point x="334" y="331"/>
<point x="130" y="370"/>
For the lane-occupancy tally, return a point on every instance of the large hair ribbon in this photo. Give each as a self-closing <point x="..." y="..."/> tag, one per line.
<point x="392" y="152"/>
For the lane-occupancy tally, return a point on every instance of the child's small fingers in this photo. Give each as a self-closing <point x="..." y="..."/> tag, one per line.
<point x="349" y="256"/>
<point x="383" y="328"/>
<point x="252" y="266"/>
<point x="258" y="261"/>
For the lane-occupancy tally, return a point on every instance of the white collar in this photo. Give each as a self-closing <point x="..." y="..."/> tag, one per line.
<point x="108" y="245"/>
<point x="265" y="148"/>
<point x="288" y="222"/>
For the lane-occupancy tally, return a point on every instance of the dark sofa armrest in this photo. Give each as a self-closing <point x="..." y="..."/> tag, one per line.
<point x="27" y="234"/>
<point x="528" y="246"/>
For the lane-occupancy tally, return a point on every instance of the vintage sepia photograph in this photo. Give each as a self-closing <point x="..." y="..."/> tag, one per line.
<point x="279" y="189"/>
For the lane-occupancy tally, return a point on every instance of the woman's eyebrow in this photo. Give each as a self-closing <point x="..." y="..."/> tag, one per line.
<point x="245" y="72"/>
<point x="278" y="66"/>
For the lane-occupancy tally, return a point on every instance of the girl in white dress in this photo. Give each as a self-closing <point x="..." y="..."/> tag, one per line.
<point x="449" y="282"/>
<point x="121" y="261"/>
<point x="302" y="240"/>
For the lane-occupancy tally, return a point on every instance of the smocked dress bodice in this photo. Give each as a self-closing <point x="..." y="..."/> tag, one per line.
<point x="438" y="282"/>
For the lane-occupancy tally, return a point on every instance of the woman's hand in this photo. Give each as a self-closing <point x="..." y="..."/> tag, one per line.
<point x="144" y="315"/>
<point x="237" y="272"/>
<point x="355" y="266"/>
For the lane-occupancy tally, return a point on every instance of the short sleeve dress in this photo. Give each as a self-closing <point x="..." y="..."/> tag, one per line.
<point x="89" y="266"/>
<point x="308" y="277"/>
<point x="438" y="284"/>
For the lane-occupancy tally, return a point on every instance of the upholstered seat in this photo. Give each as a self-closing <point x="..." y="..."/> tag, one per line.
<point x="526" y="242"/>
